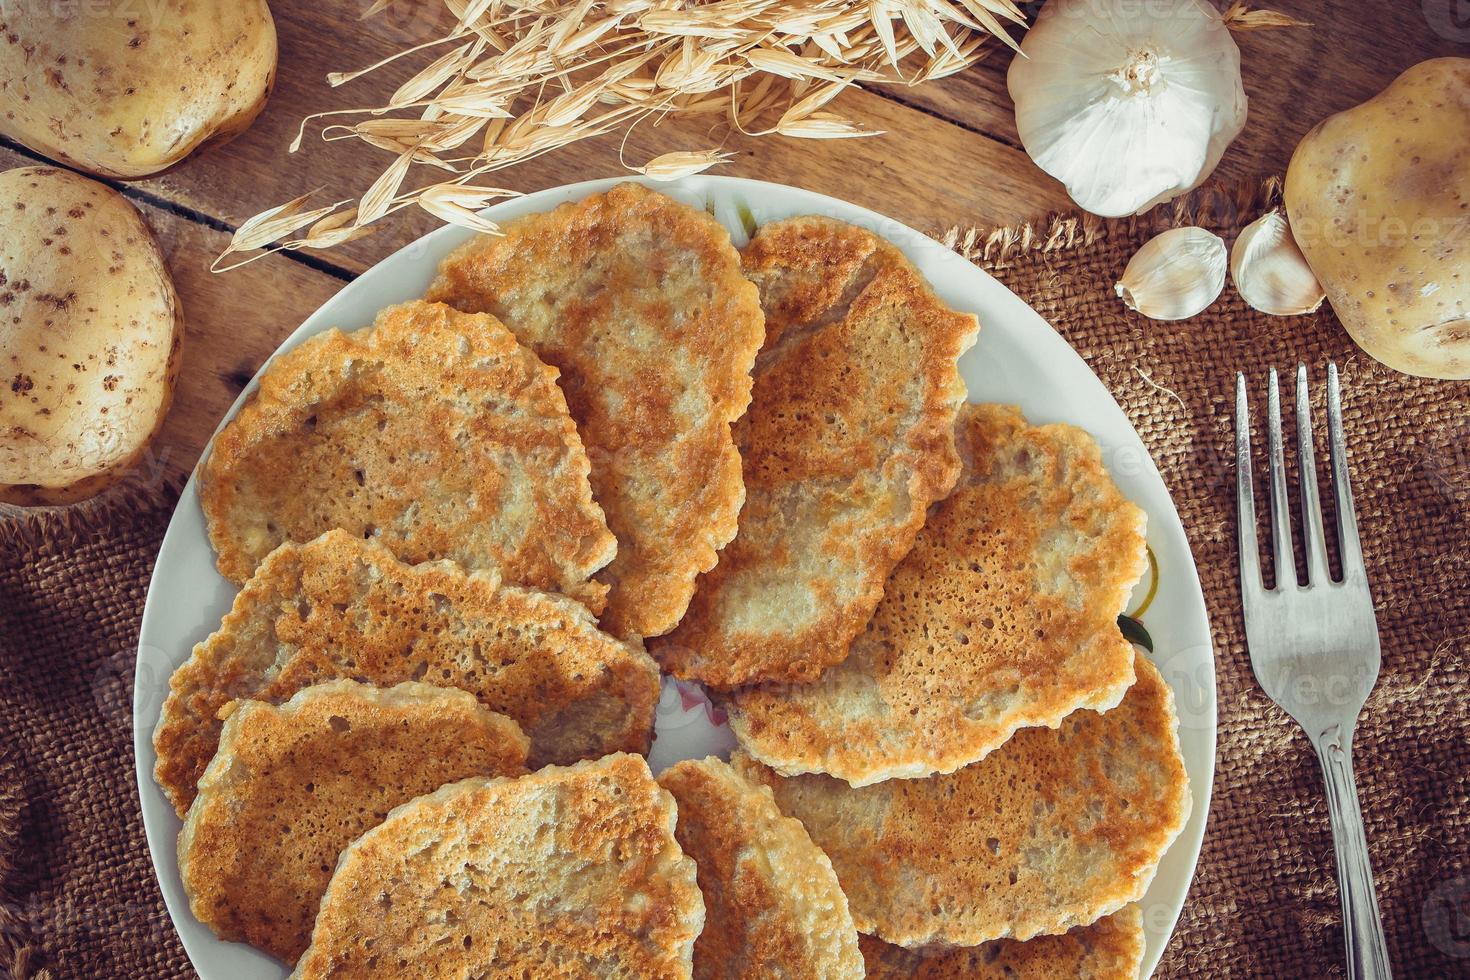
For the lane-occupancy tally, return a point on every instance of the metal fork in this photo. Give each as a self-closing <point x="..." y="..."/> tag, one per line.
<point x="1314" y="644"/>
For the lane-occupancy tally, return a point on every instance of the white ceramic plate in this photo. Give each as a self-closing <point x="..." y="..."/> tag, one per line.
<point x="1018" y="359"/>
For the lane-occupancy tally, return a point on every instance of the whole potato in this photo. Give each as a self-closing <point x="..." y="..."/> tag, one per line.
<point x="90" y="331"/>
<point x="1379" y="201"/>
<point x="122" y="88"/>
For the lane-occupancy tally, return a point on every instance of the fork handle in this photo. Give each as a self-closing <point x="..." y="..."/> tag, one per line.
<point x="1367" y="953"/>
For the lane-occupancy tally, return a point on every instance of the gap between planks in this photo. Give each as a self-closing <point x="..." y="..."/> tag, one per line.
<point x="134" y="193"/>
<point x="151" y="199"/>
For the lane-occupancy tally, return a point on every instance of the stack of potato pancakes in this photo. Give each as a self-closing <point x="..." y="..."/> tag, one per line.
<point x="604" y="446"/>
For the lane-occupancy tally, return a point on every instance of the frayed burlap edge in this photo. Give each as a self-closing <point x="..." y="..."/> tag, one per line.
<point x="18" y="957"/>
<point x="25" y="531"/>
<point x="1216" y="203"/>
<point x="29" y="534"/>
<point x="28" y="528"/>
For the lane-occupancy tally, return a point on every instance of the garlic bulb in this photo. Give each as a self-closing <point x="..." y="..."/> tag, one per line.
<point x="1175" y="275"/>
<point x="1128" y="104"/>
<point x="1269" y="270"/>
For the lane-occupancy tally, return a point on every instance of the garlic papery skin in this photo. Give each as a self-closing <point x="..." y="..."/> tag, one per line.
<point x="1129" y="104"/>
<point x="1176" y="275"/>
<point x="1269" y="270"/>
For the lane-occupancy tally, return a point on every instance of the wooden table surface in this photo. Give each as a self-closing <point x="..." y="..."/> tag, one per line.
<point x="950" y="156"/>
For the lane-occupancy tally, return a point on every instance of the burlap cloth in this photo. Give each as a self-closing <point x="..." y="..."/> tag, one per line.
<point x="77" y="894"/>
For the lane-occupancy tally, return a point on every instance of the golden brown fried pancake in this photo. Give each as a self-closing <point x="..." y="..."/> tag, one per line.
<point x="566" y="873"/>
<point x="773" y="908"/>
<point x="849" y="439"/>
<point x="433" y="432"/>
<point x="1055" y="829"/>
<point x="1003" y="616"/>
<point x="1109" y="949"/>
<point x="639" y="300"/>
<point x="343" y="607"/>
<point x="294" y="784"/>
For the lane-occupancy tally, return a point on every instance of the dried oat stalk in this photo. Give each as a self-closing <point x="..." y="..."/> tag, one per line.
<point x="513" y="79"/>
<point x="1240" y="17"/>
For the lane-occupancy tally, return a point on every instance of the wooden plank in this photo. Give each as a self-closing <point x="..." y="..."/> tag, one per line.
<point x="232" y="324"/>
<point x="950" y="158"/>
<point x="1294" y="77"/>
<point x="926" y="172"/>
<point x="975" y="99"/>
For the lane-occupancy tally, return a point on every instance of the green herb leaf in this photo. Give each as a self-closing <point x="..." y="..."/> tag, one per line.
<point x="1153" y="585"/>
<point x="747" y="220"/>
<point x="1134" y="632"/>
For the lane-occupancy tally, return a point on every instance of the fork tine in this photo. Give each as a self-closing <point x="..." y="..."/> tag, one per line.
<point x="1347" y="518"/>
<point x="1314" y="536"/>
<point x="1284" y="563"/>
<point x="1245" y="501"/>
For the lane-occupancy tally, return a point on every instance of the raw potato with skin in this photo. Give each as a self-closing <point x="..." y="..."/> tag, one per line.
<point x="90" y="337"/>
<point x="1379" y="200"/>
<point x="126" y="89"/>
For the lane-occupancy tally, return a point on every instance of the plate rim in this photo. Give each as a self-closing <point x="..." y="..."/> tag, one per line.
<point x="1158" y="932"/>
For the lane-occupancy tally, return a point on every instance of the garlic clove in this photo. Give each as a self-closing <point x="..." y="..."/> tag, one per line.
<point x="1269" y="270"/>
<point x="1176" y="275"/>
